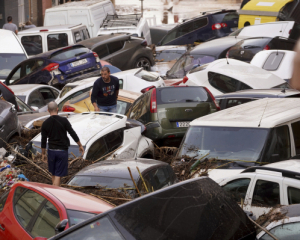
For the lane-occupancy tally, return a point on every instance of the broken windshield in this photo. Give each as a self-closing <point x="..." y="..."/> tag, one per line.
<point x="227" y="143"/>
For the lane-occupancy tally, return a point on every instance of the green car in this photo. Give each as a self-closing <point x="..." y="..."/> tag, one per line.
<point x="166" y="112"/>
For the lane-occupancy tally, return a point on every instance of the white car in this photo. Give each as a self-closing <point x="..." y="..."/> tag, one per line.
<point x="259" y="189"/>
<point x="102" y="133"/>
<point x="37" y="96"/>
<point x="12" y="52"/>
<point x="278" y="62"/>
<point x="230" y="75"/>
<point x="133" y="80"/>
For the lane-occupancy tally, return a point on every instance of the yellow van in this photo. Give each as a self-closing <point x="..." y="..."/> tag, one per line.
<point x="263" y="11"/>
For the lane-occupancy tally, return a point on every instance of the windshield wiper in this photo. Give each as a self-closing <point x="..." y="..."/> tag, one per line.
<point x="251" y="46"/>
<point x="80" y="54"/>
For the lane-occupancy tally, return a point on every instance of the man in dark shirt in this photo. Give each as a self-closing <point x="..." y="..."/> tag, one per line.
<point x="55" y="128"/>
<point x="105" y="92"/>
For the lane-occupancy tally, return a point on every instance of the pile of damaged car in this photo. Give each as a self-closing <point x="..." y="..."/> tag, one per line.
<point x="171" y="120"/>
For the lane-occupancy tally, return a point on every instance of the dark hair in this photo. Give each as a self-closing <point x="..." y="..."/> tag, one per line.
<point x="9" y="18"/>
<point x="105" y="69"/>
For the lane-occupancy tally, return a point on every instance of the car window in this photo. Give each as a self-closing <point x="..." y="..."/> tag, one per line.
<point x="282" y="43"/>
<point x="115" y="46"/>
<point x="161" y="177"/>
<point x="97" y="150"/>
<point x="295" y="34"/>
<point x="66" y="89"/>
<point x="287" y="231"/>
<point x="61" y="104"/>
<point x="77" y="37"/>
<point x="102" y="51"/>
<point x="114" y="139"/>
<point x="296" y="133"/>
<point x="83" y="32"/>
<point x="22" y="106"/>
<point x="293" y="195"/>
<point x="237" y="189"/>
<point x="3" y="200"/>
<point x="140" y="109"/>
<point x="87" y="33"/>
<point x="168" y="55"/>
<point x="235" y="102"/>
<point x="147" y="76"/>
<point x="36" y="99"/>
<point x="68" y="53"/>
<point x="47" y="94"/>
<point x="8" y="62"/>
<point x="266" y="194"/>
<point x="57" y="41"/>
<point x="26" y="206"/>
<point x="46" y="221"/>
<point x="16" y="75"/>
<point x="55" y="92"/>
<point x="33" y="44"/>
<point x="273" y="61"/>
<point x="122" y="106"/>
<point x="78" y="216"/>
<point x="222" y="83"/>
<point x="30" y="66"/>
<point x="101" y="227"/>
<point x="278" y="145"/>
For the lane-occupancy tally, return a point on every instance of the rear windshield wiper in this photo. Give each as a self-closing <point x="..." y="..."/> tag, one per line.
<point x="191" y="100"/>
<point x="251" y="46"/>
<point x="79" y="54"/>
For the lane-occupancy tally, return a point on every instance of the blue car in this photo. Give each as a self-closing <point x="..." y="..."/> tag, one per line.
<point x="57" y="67"/>
<point x="206" y="27"/>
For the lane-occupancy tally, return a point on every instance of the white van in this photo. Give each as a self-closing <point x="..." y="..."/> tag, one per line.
<point x="90" y="13"/>
<point x="43" y="39"/>
<point x="134" y="24"/>
<point x="254" y="133"/>
<point x="11" y="52"/>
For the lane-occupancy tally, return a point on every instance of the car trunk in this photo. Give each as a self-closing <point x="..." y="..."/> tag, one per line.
<point x="178" y="106"/>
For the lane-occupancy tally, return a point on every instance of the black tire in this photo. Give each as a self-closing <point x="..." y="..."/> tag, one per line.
<point x="144" y="63"/>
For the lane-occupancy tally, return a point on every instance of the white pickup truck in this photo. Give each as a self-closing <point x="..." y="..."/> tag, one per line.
<point x="258" y="189"/>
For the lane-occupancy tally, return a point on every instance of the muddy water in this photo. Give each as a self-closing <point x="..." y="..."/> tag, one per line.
<point x="173" y="11"/>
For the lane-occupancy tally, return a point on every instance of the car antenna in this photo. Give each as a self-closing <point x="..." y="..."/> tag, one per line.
<point x="87" y="106"/>
<point x="263" y="113"/>
<point x="227" y="60"/>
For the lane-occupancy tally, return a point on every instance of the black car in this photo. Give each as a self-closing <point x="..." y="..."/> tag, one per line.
<point x="229" y="100"/>
<point x="114" y="174"/>
<point x="122" y="50"/>
<point x="245" y="49"/>
<point x="207" y="26"/>
<point x="190" y="210"/>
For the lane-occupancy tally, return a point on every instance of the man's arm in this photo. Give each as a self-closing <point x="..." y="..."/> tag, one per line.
<point x="95" y="91"/>
<point x="75" y="137"/>
<point x="117" y="87"/>
<point x="43" y="142"/>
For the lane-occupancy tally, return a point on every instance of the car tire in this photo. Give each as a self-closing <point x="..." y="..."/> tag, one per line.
<point x="144" y="63"/>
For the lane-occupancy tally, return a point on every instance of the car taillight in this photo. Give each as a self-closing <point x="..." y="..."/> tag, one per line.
<point x="147" y="89"/>
<point x="267" y="47"/>
<point x="213" y="98"/>
<point x="185" y="79"/>
<point x="153" y="105"/>
<point x="51" y="67"/>
<point x="68" y="108"/>
<point x="144" y="43"/>
<point x="96" y="56"/>
<point x="218" y="26"/>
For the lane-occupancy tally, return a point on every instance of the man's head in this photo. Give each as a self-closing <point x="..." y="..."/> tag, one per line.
<point x="105" y="73"/>
<point x="9" y="19"/>
<point x="52" y="108"/>
<point x="28" y="23"/>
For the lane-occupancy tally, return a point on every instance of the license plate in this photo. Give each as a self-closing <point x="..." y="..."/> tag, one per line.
<point x="233" y="29"/>
<point x="182" y="124"/>
<point x="79" y="62"/>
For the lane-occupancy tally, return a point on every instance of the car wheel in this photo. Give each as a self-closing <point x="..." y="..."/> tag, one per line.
<point x="144" y="63"/>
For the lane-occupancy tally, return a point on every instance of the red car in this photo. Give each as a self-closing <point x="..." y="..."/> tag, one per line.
<point x="30" y="210"/>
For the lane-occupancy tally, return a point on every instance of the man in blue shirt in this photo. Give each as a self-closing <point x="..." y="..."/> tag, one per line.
<point x="105" y="92"/>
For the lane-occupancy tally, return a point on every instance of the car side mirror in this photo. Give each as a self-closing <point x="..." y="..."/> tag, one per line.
<point x="275" y="158"/>
<point x="60" y="227"/>
<point x="35" y="108"/>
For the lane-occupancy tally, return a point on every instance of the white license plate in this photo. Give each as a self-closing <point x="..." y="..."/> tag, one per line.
<point x="182" y="124"/>
<point x="233" y="29"/>
<point x="79" y="62"/>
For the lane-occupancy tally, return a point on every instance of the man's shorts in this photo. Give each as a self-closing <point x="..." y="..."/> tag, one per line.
<point x="58" y="162"/>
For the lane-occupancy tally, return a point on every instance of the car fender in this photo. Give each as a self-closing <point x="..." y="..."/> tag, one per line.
<point x="146" y="146"/>
<point x="141" y="52"/>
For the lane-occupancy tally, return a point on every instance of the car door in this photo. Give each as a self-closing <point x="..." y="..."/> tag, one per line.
<point x="36" y="100"/>
<point x="27" y="214"/>
<point x="266" y="192"/>
<point x="47" y="95"/>
<point x="117" y="54"/>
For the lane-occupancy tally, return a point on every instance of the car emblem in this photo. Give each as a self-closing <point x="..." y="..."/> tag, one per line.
<point x="242" y="52"/>
<point x="188" y="110"/>
<point x="77" y="57"/>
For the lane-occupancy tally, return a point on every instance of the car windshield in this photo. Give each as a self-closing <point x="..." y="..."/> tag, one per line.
<point x="78" y="216"/>
<point x="186" y="63"/>
<point x="168" y="55"/>
<point x="65" y="90"/>
<point x="8" y="61"/>
<point x="108" y="182"/>
<point x="69" y="52"/>
<point x="226" y="143"/>
<point x="150" y="77"/>
<point x="225" y="17"/>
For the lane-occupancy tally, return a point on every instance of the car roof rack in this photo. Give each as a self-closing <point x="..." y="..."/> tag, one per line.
<point x="121" y="20"/>
<point x="285" y="173"/>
